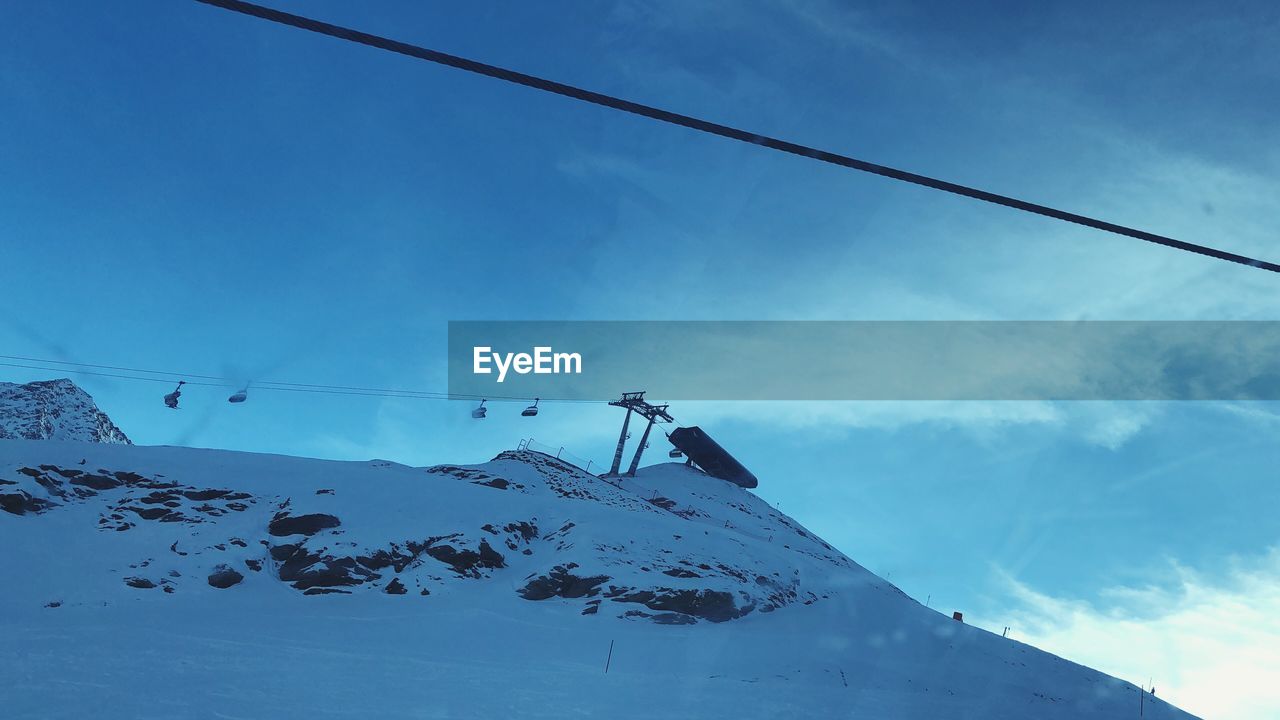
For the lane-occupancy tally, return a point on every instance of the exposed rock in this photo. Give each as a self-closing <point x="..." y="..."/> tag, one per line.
<point x="21" y="502"/>
<point x="661" y="577"/>
<point x="202" y="495"/>
<point x="466" y="562"/>
<point x="224" y="577"/>
<point x="713" y="605"/>
<point x="308" y="570"/>
<point x="285" y="524"/>
<point x="97" y="482"/>
<point x="560" y="582"/>
<point x="54" y="410"/>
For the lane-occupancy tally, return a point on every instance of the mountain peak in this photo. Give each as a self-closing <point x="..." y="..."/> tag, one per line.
<point x="54" y="410"/>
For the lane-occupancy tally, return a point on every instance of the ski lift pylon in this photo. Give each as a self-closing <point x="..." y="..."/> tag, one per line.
<point x="531" y="410"/>
<point x="479" y="412"/>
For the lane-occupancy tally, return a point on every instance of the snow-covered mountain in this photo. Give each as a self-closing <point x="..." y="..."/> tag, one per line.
<point x="54" y="410"/>
<point x="178" y="582"/>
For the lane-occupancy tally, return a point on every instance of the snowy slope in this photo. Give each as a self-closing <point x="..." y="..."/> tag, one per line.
<point x="176" y="582"/>
<point x="54" y="410"/>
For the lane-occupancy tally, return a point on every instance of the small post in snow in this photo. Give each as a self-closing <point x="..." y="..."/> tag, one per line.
<point x="608" y="658"/>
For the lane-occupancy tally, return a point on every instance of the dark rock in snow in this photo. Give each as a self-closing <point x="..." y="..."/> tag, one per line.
<point x="132" y="478"/>
<point x="489" y="557"/>
<point x="560" y="582"/>
<point x="465" y="562"/>
<point x="395" y="587"/>
<point x="139" y="582"/>
<point x="20" y="503"/>
<point x="149" y="513"/>
<point x="310" y="570"/>
<point x="283" y="552"/>
<point x="203" y="495"/>
<point x="224" y="577"/>
<point x="285" y="524"/>
<point x="381" y="559"/>
<point x="96" y="482"/>
<point x="713" y="605"/>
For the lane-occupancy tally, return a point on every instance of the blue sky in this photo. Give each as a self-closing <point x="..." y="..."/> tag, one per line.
<point x="184" y="188"/>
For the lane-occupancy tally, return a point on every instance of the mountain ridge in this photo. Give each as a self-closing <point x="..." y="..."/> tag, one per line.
<point x="54" y="410"/>
<point x="180" y="576"/>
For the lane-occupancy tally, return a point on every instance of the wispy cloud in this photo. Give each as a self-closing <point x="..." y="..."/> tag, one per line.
<point x="1105" y="424"/>
<point x="1211" y="645"/>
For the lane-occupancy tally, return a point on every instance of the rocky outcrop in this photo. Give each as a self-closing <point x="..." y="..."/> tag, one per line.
<point x="536" y="527"/>
<point x="285" y="524"/>
<point x="54" y="410"/>
<point x="223" y="577"/>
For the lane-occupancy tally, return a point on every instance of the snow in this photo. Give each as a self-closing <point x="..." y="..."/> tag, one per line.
<point x="716" y="603"/>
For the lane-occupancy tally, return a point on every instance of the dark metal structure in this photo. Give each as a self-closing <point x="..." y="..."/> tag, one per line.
<point x="708" y="455"/>
<point x="635" y="402"/>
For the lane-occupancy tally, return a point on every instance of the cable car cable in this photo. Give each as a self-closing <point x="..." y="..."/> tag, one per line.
<point x="616" y="103"/>
<point x="263" y="385"/>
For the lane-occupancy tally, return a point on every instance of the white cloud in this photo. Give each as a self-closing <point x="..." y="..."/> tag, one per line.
<point x="1106" y="424"/>
<point x="1212" y="647"/>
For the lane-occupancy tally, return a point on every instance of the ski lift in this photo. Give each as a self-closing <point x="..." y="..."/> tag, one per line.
<point x="480" y="411"/>
<point x="531" y="410"/>
<point x="239" y="396"/>
<point x="171" y="399"/>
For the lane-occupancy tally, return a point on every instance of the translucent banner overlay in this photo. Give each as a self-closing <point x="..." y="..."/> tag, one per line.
<point x="867" y="360"/>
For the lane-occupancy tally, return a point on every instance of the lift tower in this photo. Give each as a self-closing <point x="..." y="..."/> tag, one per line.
<point x="635" y="402"/>
<point x="653" y="413"/>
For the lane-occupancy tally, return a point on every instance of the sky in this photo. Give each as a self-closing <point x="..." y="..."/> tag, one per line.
<point x="187" y="189"/>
